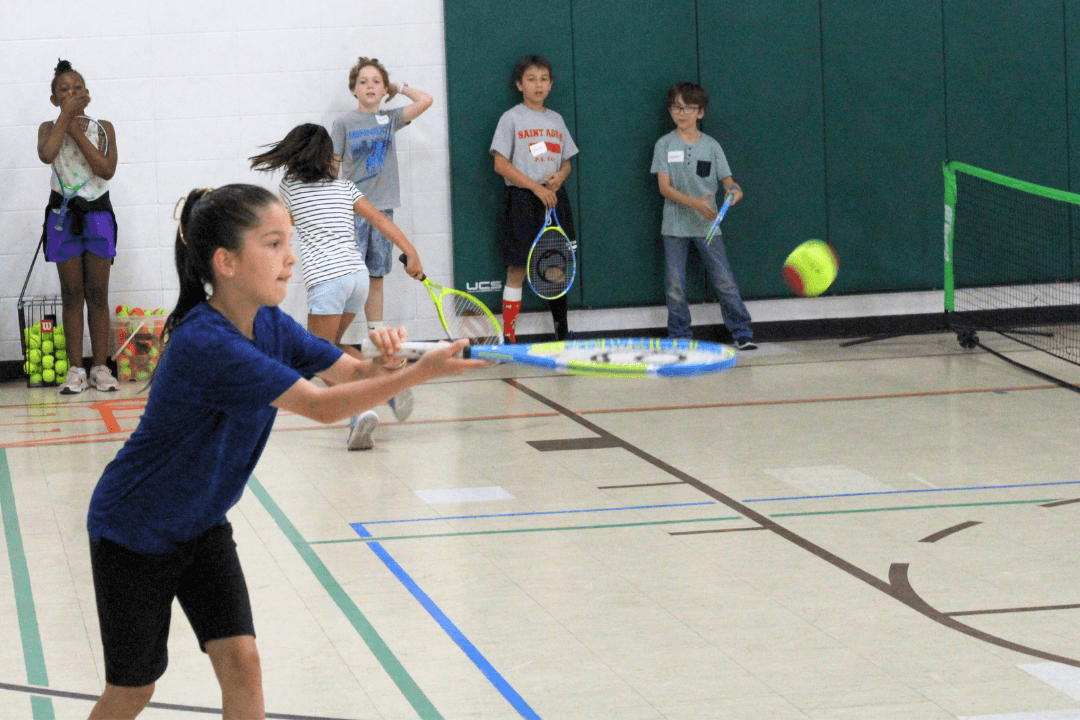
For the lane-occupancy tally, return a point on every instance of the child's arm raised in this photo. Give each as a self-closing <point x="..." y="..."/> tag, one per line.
<point x="392" y="233"/>
<point x="421" y="101"/>
<point x="506" y="169"/>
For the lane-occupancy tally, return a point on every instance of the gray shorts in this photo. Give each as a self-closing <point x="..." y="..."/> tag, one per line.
<point x="377" y="250"/>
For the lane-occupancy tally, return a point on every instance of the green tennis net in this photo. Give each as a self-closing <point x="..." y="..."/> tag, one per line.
<point x="1012" y="260"/>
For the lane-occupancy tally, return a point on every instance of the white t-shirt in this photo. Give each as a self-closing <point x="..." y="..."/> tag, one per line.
<point x="323" y="214"/>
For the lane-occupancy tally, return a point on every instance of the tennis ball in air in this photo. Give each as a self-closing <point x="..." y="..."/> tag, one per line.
<point x="47" y="361"/>
<point x="61" y="368"/>
<point x="48" y="376"/>
<point x="47" y="347"/>
<point x="811" y="268"/>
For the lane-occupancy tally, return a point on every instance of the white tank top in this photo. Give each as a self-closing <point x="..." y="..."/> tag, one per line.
<point x="72" y="167"/>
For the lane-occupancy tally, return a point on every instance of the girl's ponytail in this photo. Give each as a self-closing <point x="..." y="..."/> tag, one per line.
<point x="210" y="219"/>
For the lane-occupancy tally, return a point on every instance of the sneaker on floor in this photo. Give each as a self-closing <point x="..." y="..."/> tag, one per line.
<point x="102" y="379"/>
<point x="402" y="405"/>
<point x="360" y="429"/>
<point x="74" y="382"/>
<point x="745" y="344"/>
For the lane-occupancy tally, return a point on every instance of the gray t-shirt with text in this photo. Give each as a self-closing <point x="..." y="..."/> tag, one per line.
<point x="535" y="143"/>
<point x="368" y="156"/>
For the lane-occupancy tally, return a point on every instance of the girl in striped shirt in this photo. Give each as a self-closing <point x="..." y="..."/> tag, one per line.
<point x="322" y="208"/>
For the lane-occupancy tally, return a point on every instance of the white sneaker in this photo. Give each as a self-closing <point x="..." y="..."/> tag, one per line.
<point x="74" y="382"/>
<point x="402" y="405"/>
<point x="360" y="429"/>
<point x="102" y="379"/>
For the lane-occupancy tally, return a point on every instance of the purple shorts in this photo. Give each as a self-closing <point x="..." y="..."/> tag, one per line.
<point x="98" y="237"/>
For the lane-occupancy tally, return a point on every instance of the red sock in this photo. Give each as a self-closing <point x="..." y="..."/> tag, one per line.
<point x="510" y="310"/>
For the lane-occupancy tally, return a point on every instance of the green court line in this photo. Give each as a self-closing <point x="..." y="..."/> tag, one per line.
<point x="33" y="654"/>
<point x="397" y="672"/>
<point x="667" y="522"/>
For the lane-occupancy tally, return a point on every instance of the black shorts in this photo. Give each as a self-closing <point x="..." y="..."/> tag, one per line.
<point x="134" y="601"/>
<point x="523" y="217"/>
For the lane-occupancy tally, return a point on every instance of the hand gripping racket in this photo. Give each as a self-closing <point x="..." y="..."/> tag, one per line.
<point x="552" y="262"/>
<point x="611" y="357"/>
<point x="719" y="216"/>
<point x="97" y="135"/>
<point x="461" y="314"/>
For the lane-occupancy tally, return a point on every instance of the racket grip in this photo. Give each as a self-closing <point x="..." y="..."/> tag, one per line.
<point x="405" y="261"/>
<point x="409" y="350"/>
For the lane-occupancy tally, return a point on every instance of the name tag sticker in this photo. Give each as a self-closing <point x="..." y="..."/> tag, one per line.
<point x="675" y="156"/>
<point x="538" y="148"/>
<point x="382" y="119"/>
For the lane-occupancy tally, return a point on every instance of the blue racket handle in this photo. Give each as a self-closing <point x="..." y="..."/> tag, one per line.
<point x="719" y="217"/>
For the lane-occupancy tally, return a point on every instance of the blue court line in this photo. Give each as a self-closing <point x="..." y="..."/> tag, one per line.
<point x="452" y="630"/>
<point x="920" y="490"/>
<point x="33" y="653"/>
<point x="543" y="512"/>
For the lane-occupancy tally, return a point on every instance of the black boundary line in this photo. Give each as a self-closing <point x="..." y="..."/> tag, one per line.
<point x="897" y="586"/>
<point x="708" y="532"/>
<point x="1058" y="503"/>
<point x="934" y="537"/>
<point x="637" y="485"/>
<point x="29" y="689"/>
<point x="1000" y="611"/>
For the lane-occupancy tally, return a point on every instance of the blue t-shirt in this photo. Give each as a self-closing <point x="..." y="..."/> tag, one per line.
<point x="205" y="425"/>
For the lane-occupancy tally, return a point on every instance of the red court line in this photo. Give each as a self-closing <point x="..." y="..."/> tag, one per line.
<point x="110" y="437"/>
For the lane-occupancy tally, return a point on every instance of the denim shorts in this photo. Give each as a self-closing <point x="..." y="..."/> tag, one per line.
<point x="346" y="294"/>
<point x="378" y="251"/>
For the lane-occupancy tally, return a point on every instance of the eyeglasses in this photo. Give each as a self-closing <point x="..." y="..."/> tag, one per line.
<point x="684" y="109"/>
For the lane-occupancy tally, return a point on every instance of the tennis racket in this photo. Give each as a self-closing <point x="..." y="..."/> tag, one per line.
<point x="611" y="357"/>
<point x="719" y="216"/>
<point x="461" y="314"/>
<point x="97" y="135"/>
<point x="552" y="262"/>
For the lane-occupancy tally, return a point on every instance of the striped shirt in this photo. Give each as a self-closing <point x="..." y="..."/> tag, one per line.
<point x="323" y="215"/>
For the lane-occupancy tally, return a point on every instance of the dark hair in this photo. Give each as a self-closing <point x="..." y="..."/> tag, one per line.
<point x="532" y="61"/>
<point x="306" y="153"/>
<point x="363" y="62"/>
<point x="211" y="219"/>
<point x="63" y="67"/>
<point x="692" y="94"/>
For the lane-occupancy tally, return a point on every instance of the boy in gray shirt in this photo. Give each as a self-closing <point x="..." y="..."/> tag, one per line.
<point x="690" y="166"/>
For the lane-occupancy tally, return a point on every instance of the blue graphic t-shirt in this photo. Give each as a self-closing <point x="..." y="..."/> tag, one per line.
<point x="368" y="156"/>
<point x="205" y="425"/>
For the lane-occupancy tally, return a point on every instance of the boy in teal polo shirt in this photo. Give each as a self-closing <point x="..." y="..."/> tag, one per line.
<point x="690" y="166"/>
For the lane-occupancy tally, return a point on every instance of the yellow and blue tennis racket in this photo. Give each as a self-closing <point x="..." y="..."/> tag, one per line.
<point x="552" y="263"/>
<point x="603" y="357"/>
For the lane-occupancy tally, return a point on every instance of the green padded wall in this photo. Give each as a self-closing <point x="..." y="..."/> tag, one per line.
<point x="761" y="65"/>
<point x="884" y="141"/>
<point x="1005" y="87"/>
<point x="834" y="114"/>
<point x="622" y="81"/>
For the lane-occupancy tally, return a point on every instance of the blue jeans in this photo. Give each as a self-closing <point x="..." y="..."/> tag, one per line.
<point x="732" y="309"/>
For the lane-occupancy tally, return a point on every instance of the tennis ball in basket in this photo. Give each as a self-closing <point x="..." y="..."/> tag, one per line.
<point x="48" y="376"/>
<point x="61" y="368"/>
<point x="34" y="341"/>
<point x="60" y="354"/>
<point x="811" y="268"/>
<point x="47" y="361"/>
<point x="47" y="347"/>
<point x="35" y="379"/>
<point x="33" y="355"/>
<point x="59" y="340"/>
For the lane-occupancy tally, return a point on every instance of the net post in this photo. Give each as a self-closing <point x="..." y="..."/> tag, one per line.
<point x="950" y="215"/>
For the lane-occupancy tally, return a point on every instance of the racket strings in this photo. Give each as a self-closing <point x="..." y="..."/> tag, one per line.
<point x="551" y="264"/>
<point x="468" y="318"/>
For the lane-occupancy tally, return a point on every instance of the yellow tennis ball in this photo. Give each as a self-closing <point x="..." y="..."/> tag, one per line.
<point x="61" y="368"/>
<point x="47" y="361"/>
<point x="46" y="347"/>
<point x="811" y="268"/>
<point x="48" y="376"/>
<point x="35" y="379"/>
<point x="33" y="355"/>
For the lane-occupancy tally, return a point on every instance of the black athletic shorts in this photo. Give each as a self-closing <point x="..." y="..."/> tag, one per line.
<point x="134" y="601"/>
<point x="523" y="217"/>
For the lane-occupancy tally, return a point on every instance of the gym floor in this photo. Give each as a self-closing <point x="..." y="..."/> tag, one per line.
<point x="881" y="532"/>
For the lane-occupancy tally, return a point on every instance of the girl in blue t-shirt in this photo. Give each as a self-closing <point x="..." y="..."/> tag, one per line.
<point x="157" y="521"/>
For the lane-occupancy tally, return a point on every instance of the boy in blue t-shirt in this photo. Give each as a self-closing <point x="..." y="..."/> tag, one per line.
<point x="690" y="166"/>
